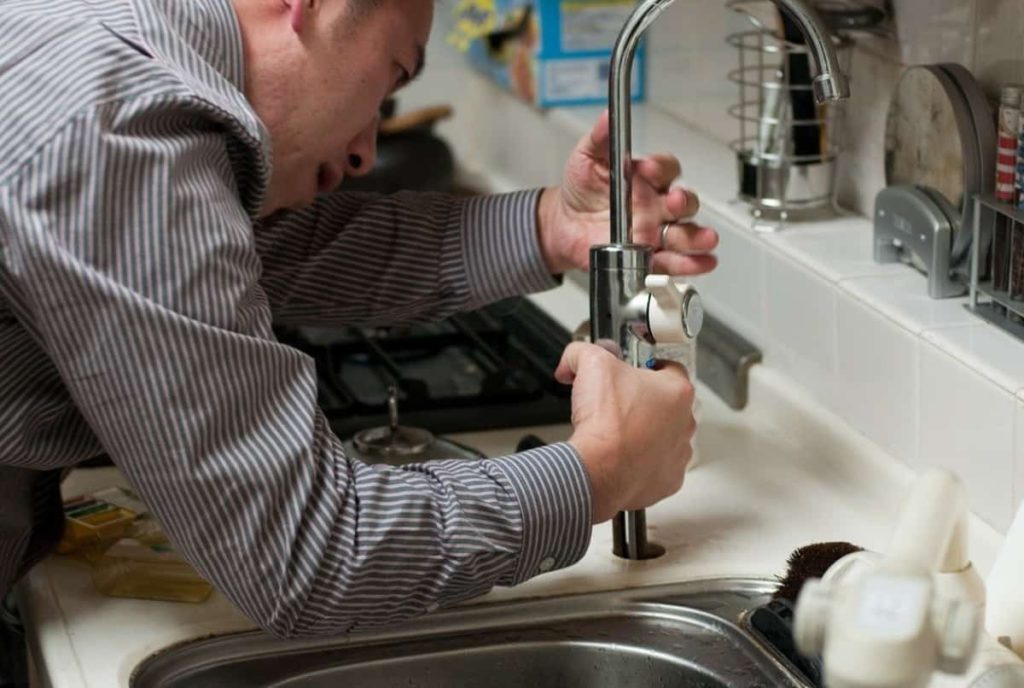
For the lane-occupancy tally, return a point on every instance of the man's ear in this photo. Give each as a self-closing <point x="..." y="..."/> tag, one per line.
<point x="298" y="11"/>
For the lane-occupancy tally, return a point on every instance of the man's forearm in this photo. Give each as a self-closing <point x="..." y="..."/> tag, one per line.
<point x="364" y="258"/>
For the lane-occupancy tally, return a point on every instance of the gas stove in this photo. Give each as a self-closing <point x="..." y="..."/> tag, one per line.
<point x="487" y="369"/>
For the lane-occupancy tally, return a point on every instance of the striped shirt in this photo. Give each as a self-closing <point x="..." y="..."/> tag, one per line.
<point x="137" y="291"/>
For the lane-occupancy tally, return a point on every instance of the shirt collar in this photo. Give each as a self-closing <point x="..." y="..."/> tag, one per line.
<point x="201" y="36"/>
<point x="201" y="40"/>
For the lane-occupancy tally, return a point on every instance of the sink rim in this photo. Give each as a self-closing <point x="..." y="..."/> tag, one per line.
<point x="719" y="602"/>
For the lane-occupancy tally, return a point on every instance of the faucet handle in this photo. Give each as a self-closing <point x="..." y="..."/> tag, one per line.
<point x="674" y="310"/>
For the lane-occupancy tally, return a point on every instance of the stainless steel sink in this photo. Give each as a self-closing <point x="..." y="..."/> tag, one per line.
<point x="686" y="635"/>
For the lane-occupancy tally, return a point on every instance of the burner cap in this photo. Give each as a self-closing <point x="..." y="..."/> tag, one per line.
<point x="393" y="441"/>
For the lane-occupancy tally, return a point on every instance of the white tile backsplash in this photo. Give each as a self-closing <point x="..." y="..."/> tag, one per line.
<point x="1018" y="454"/>
<point x="800" y="323"/>
<point x="986" y="349"/>
<point x="733" y="290"/>
<point x="903" y="297"/>
<point x="878" y="360"/>
<point x="839" y="251"/>
<point x="967" y="427"/>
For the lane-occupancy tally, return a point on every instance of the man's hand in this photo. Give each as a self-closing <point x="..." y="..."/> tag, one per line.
<point x="576" y="215"/>
<point x="632" y="427"/>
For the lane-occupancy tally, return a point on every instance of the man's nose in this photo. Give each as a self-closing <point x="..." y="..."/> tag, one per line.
<point x="362" y="152"/>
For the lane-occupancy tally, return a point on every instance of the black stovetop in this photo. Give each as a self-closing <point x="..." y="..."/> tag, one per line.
<point x="488" y="369"/>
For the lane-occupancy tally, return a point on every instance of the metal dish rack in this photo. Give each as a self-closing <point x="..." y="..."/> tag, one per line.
<point x="778" y="183"/>
<point x="997" y="289"/>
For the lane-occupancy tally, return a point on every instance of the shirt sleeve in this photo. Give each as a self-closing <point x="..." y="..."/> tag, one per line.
<point x="134" y="267"/>
<point x="377" y="259"/>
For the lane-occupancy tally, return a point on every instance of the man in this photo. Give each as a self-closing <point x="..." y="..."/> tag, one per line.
<point x="166" y="177"/>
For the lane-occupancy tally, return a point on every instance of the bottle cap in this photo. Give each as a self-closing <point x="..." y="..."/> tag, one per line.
<point x="1010" y="95"/>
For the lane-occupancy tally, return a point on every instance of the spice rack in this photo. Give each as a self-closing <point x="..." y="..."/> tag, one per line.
<point x="997" y="289"/>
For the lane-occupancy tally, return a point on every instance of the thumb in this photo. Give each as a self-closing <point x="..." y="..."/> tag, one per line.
<point x="567" y="367"/>
<point x="595" y="145"/>
<point x="572" y="358"/>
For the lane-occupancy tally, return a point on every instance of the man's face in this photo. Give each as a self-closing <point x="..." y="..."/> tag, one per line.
<point x="318" y="72"/>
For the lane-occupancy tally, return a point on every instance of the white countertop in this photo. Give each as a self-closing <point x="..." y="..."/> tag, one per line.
<point x="781" y="474"/>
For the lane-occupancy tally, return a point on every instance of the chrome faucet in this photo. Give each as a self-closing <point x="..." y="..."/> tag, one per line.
<point x="621" y="293"/>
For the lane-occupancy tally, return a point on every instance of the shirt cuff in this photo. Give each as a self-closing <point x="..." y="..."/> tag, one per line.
<point x="502" y="251"/>
<point x="553" y="491"/>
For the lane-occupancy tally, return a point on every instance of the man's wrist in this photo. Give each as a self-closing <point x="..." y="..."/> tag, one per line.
<point x="550" y="484"/>
<point x="596" y="462"/>
<point x="547" y="231"/>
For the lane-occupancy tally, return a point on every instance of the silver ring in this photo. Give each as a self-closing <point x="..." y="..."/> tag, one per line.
<point x="664" y="229"/>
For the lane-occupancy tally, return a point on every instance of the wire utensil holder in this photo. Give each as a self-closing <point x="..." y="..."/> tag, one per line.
<point x="997" y="289"/>
<point x="788" y="147"/>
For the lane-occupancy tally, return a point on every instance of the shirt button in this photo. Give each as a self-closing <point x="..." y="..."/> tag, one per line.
<point x="547" y="565"/>
<point x="432" y="607"/>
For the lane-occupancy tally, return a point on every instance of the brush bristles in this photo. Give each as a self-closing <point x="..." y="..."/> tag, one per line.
<point x="810" y="561"/>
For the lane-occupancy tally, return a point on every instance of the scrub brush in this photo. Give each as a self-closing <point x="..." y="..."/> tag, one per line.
<point x="810" y="561"/>
<point x="773" y="622"/>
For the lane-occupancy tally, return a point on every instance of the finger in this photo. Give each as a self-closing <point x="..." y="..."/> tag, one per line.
<point x="658" y="170"/>
<point x="664" y="364"/>
<point x="572" y="359"/>
<point x="651" y="213"/>
<point x="674" y="205"/>
<point x="569" y="363"/>
<point x="611" y="346"/>
<point x="689" y="238"/>
<point x="681" y="203"/>
<point x="595" y="145"/>
<point x="671" y="263"/>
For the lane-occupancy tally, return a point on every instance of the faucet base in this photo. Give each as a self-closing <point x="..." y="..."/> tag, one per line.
<point x="629" y="537"/>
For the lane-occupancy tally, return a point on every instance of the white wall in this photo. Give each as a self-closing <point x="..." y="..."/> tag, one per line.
<point x="691" y="61"/>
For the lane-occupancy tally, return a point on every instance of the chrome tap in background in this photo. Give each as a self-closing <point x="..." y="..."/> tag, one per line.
<point x="618" y="270"/>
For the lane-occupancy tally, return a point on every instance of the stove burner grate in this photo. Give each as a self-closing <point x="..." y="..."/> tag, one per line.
<point x="491" y="368"/>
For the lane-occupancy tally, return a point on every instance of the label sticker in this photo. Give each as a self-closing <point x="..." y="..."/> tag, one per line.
<point x="593" y="25"/>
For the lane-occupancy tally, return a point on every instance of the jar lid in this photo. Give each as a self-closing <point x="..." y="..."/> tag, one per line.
<point x="394" y="442"/>
<point x="397" y="445"/>
<point x="395" y="455"/>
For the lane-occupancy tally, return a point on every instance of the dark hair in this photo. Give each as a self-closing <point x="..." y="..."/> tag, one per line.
<point x="357" y="11"/>
<point x="363" y="6"/>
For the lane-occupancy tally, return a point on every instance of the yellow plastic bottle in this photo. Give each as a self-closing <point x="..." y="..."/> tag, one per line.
<point x="145" y="565"/>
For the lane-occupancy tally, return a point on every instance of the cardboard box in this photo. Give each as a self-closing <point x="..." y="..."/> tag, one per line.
<point x="548" y="52"/>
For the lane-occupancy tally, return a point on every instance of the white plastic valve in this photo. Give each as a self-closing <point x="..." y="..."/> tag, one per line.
<point x="891" y="620"/>
<point x="1005" y="611"/>
<point x="674" y="311"/>
<point x="958" y="627"/>
<point x="885" y="630"/>
<point x="815" y="604"/>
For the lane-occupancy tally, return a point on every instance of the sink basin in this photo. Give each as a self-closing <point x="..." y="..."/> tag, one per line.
<point x="685" y="635"/>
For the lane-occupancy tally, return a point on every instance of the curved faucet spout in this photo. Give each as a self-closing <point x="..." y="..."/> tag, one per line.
<point x="619" y="270"/>
<point x="829" y="84"/>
